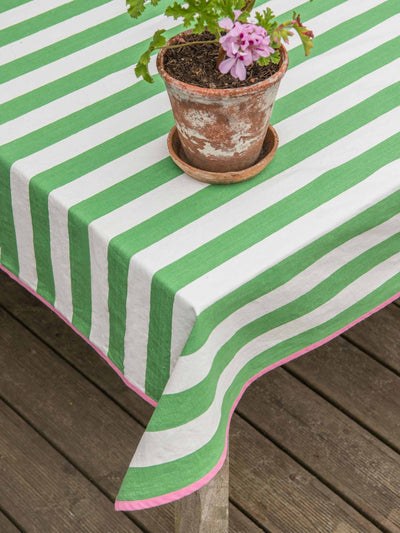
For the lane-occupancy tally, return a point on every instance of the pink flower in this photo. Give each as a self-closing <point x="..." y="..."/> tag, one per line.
<point x="226" y="23"/>
<point x="236" y="65"/>
<point x="243" y="44"/>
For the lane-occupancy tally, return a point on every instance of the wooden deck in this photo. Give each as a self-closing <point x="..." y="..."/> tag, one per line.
<point x="314" y="445"/>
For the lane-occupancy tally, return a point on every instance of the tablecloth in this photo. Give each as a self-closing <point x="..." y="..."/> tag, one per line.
<point x="191" y="291"/>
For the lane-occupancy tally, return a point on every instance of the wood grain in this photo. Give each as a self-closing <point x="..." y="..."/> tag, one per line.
<point x="338" y="450"/>
<point x="380" y="335"/>
<point x="260" y="481"/>
<point x="280" y="493"/>
<point x="43" y="491"/>
<point x="90" y="429"/>
<point x="206" y="510"/>
<point x="357" y="383"/>
<point x="6" y="526"/>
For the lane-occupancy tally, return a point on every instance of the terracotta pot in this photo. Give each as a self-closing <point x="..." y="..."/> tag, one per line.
<point x="222" y="130"/>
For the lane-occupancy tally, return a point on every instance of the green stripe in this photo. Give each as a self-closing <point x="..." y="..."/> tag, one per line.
<point x="169" y="280"/>
<point x="281" y="273"/>
<point x="63" y="48"/>
<point x="40" y="97"/>
<point x="47" y="19"/>
<point x="117" y="308"/>
<point x="35" y="141"/>
<point x="120" y="60"/>
<point x="81" y="215"/>
<point x="41" y="185"/>
<point x="347" y="30"/>
<point x="82" y="77"/>
<point x="177" y="409"/>
<point x="99" y="205"/>
<point x="148" y="482"/>
<point x="8" y="243"/>
<point x="10" y="4"/>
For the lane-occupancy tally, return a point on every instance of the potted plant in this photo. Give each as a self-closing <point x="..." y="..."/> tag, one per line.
<point x="222" y="76"/>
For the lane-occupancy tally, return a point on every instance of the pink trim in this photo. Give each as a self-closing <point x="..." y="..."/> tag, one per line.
<point x="176" y="495"/>
<point x="181" y="493"/>
<point x="106" y="359"/>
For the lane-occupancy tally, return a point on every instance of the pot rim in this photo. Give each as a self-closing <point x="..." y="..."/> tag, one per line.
<point x="206" y="91"/>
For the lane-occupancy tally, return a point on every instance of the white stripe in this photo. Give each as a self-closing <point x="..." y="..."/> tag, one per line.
<point x="23" y="170"/>
<point x="70" y="103"/>
<point x="83" y="58"/>
<point x="62" y="30"/>
<point x="89" y="55"/>
<point x="316" y="67"/>
<point x="28" y="11"/>
<point x="157" y="447"/>
<point x="118" y="81"/>
<point x="102" y="230"/>
<point x="341" y="100"/>
<point x="146" y="263"/>
<point x="61" y="251"/>
<point x="118" y="170"/>
<point x="63" y="198"/>
<point x="288" y="129"/>
<point x="196" y="366"/>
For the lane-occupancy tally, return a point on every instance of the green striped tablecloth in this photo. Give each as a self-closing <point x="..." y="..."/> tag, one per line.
<point x="191" y="291"/>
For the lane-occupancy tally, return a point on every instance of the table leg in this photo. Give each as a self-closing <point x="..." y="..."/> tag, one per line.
<point x="206" y="510"/>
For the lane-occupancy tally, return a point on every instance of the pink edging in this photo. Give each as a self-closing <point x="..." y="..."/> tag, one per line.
<point x="181" y="493"/>
<point x="106" y="359"/>
<point x="176" y="495"/>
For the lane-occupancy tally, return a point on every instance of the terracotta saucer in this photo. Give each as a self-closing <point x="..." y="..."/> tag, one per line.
<point x="270" y="146"/>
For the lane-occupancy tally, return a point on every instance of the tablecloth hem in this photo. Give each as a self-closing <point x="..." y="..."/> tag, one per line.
<point x="106" y="359"/>
<point x="137" y="505"/>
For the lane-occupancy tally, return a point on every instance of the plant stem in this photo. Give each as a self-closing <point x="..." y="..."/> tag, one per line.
<point x="249" y="4"/>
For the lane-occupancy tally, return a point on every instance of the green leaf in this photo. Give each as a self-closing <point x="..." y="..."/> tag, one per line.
<point x="275" y="57"/>
<point x="244" y="16"/>
<point x="142" y="67"/>
<point x="305" y="35"/>
<point x="158" y="40"/>
<point x="264" y="61"/>
<point x="135" y="7"/>
<point x="266" y="19"/>
<point x="142" y="70"/>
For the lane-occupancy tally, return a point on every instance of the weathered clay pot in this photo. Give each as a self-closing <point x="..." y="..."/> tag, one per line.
<point x="222" y="130"/>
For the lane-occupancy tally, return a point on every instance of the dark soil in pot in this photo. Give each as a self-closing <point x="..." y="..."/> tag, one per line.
<point x="197" y="65"/>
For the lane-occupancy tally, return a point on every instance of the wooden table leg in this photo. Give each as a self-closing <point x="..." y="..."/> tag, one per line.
<point x="206" y="510"/>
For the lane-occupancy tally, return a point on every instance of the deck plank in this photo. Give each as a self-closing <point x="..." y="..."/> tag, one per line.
<point x="380" y="335"/>
<point x="357" y="383"/>
<point x="91" y="430"/>
<point x="280" y="493"/>
<point x="43" y="491"/>
<point x="6" y="526"/>
<point x="59" y="336"/>
<point x="343" y="454"/>
<point x="265" y="480"/>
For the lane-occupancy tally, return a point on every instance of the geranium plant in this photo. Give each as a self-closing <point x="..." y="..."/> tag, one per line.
<point x="243" y="38"/>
